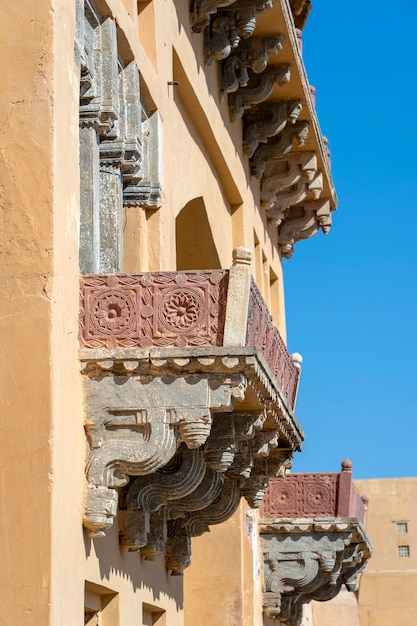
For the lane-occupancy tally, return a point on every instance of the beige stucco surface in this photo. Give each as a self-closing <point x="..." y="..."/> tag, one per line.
<point x="387" y="591"/>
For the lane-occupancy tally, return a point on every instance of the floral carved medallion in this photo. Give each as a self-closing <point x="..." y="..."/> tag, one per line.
<point x="153" y="309"/>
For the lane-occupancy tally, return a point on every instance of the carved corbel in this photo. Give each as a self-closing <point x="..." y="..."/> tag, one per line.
<point x="300" y="10"/>
<point x="268" y="120"/>
<point x="303" y="222"/>
<point x="286" y="172"/>
<point x="201" y="11"/>
<point x="178" y="545"/>
<point x="278" y="146"/>
<point x="290" y="196"/>
<point x="251" y="54"/>
<point x="134" y="425"/>
<point x="259" y="88"/>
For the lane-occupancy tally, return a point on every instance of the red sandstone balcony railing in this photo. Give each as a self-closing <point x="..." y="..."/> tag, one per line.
<point x="182" y="309"/>
<point x="314" y="495"/>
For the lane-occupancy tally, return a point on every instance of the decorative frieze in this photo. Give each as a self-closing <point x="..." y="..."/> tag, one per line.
<point x="268" y="120"/>
<point x="259" y="88"/>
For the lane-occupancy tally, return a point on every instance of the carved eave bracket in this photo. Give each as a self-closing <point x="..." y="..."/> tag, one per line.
<point x="302" y="222"/>
<point x="309" y="559"/>
<point x="141" y="405"/>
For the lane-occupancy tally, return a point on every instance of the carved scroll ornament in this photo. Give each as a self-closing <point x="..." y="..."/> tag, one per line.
<point x="284" y="172"/>
<point x="278" y="146"/>
<point x="309" y="560"/>
<point x="303" y="222"/>
<point x="291" y="196"/>
<point x="268" y="120"/>
<point x="251" y="54"/>
<point x="258" y="89"/>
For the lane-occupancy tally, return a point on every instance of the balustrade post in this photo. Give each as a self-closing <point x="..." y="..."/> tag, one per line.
<point x="238" y="298"/>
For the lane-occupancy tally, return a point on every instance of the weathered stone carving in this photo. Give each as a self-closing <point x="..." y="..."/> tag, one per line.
<point x="258" y="89"/>
<point x="251" y="54"/>
<point x="262" y="331"/>
<point x="285" y="172"/>
<point x="232" y="26"/>
<point x="183" y="308"/>
<point x="278" y="146"/>
<point x="113" y="143"/>
<point x="290" y="196"/>
<point x="303" y="222"/>
<point x="267" y="120"/>
<point x="134" y="424"/>
<point x="201" y="11"/>
<point x="300" y="10"/>
<point x="180" y="309"/>
<point x="308" y="559"/>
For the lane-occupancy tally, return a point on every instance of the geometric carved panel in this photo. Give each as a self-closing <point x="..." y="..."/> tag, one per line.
<point x="153" y="309"/>
<point x="301" y="495"/>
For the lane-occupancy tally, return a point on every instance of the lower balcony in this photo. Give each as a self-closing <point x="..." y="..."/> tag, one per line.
<point x="313" y="541"/>
<point x="189" y="400"/>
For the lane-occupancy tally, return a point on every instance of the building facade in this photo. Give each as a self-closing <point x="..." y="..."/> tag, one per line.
<point x="159" y="160"/>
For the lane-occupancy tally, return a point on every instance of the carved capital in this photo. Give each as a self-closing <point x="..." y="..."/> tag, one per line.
<point x="259" y="88"/>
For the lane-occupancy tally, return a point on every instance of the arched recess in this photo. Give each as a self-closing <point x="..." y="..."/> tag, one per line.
<point x="195" y="245"/>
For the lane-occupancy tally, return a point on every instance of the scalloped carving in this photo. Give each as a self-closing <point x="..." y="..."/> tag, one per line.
<point x="259" y="88"/>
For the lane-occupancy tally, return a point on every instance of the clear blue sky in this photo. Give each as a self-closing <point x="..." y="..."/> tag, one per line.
<point x="351" y="297"/>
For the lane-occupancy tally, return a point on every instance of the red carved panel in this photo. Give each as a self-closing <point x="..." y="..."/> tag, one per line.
<point x="301" y="495"/>
<point x="153" y="309"/>
<point x="262" y="334"/>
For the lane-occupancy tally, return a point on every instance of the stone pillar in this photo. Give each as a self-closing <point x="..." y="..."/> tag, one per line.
<point x="238" y="298"/>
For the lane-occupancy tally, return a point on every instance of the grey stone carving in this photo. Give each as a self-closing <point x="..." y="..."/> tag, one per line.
<point x="232" y="26"/>
<point x="112" y="148"/>
<point x="290" y="196"/>
<point x="309" y="559"/>
<point x="251" y="54"/>
<point x="278" y="146"/>
<point x="201" y="11"/>
<point x="284" y="172"/>
<point x="267" y="120"/>
<point x="303" y="222"/>
<point x="258" y="89"/>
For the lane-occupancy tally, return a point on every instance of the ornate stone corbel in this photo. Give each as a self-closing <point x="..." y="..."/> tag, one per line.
<point x="286" y="172"/>
<point x="290" y="196"/>
<point x="278" y="146"/>
<point x="303" y="222"/>
<point x="259" y="88"/>
<point x="302" y="563"/>
<point x="134" y="425"/>
<point x="201" y="11"/>
<point x="251" y="54"/>
<point x="300" y="10"/>
<point x="267" y="120"/>
<point x="178" y="545"/>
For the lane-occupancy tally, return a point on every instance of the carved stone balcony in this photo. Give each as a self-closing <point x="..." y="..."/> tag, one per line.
<point x="313" y="540"/>
<point x="189" y="397"/>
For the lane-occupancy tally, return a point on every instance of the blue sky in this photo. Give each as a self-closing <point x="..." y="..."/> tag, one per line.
<point x="351" y="297"/>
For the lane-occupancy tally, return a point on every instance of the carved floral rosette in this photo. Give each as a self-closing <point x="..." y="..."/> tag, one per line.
<point x="159" y="309"/>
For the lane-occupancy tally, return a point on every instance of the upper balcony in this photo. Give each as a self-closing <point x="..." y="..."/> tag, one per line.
<point x="313" y="540"/>
<point x="183" y="371"/>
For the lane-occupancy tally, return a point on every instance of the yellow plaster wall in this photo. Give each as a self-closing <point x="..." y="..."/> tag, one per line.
<point x="26" y="267"/>
<point x="387" y="591"/>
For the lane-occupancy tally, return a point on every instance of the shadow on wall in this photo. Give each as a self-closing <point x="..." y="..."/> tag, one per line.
<point x="195" y="246"/>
